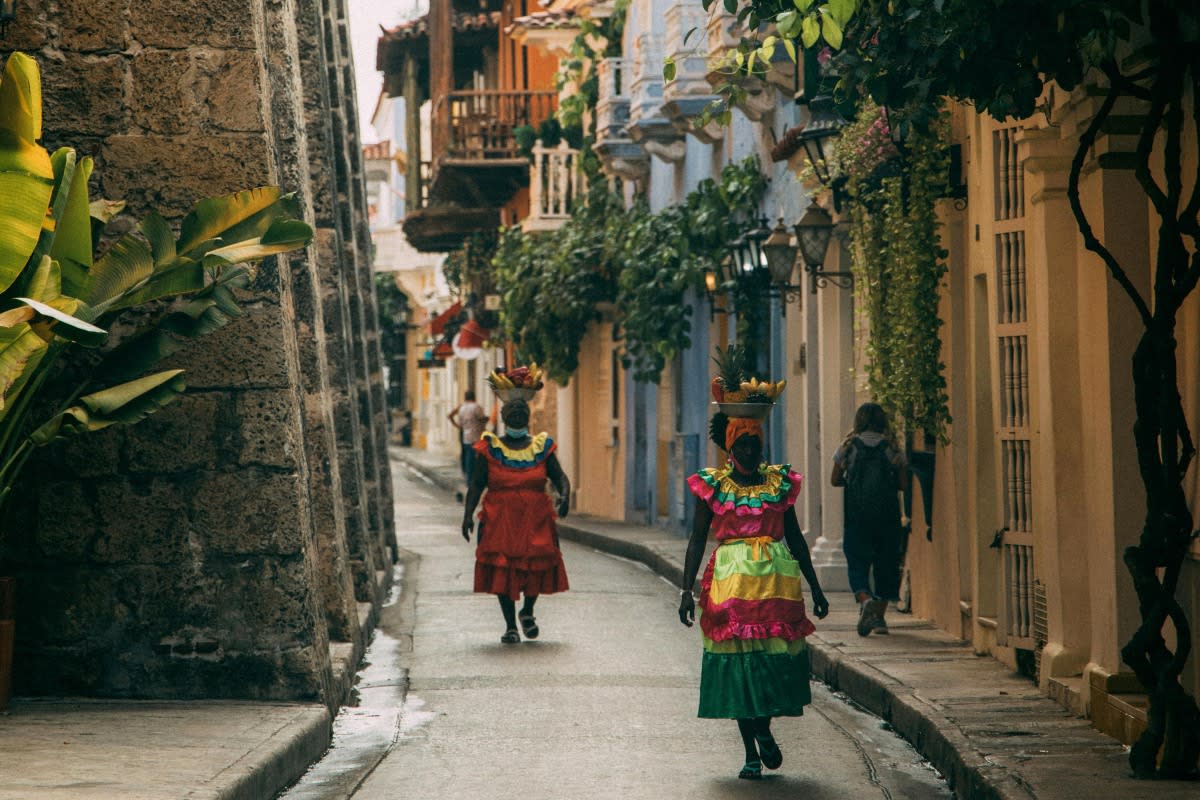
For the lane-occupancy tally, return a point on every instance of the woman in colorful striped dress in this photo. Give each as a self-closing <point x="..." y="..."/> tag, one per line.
<point x="755" y="663"/>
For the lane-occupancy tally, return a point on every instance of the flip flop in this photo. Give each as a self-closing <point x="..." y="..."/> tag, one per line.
<point x="510" y="637"/>
<point x="528" y="625"/>
<point x="751" y="771"/>
<point x="768" y="749"/>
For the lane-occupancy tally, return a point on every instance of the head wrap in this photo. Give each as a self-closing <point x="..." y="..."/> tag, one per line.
<point x="739" y="426"/>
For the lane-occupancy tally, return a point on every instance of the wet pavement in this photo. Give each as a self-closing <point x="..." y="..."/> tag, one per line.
<point x="602" y="705"/>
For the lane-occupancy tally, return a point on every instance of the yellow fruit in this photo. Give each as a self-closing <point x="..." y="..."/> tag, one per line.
<point x="735" y="397"/>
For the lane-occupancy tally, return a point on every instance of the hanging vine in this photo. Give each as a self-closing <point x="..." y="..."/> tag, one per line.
<point x="646" y="262"/>
<point x="898" y="261"/>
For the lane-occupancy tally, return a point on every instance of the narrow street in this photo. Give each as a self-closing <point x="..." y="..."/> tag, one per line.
<point x="602" y="705"/>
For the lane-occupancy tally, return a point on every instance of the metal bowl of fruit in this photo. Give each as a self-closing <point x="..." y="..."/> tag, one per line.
<point x="515" y="393"/>
<point x="749" y="410"/>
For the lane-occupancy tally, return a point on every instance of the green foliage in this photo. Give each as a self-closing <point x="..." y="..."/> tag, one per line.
<point x="469" y="267"/>
<point x="643" y="261"/>
<point x="898" y="263"/>
<point x="56" y="298"/>
<point x="550" y="284"/>
<point x="394" y="314"/>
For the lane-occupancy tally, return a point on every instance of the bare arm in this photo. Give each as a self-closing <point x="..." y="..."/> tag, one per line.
<point x="478" y="482"/>
<point x="453" y="417"/>
<point x="838" y="476"/>
<point x="562" y="485"/>
<point x="691" y="561"/>
<point x="799" y="547"/>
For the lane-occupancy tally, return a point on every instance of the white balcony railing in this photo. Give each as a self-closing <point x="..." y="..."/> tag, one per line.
<point x="687" y="96"/>
<point x="612" y="103"/>
<point x="554" y="187"/>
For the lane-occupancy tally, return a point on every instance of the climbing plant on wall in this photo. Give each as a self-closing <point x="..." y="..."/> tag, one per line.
<point x="898" y="261"/>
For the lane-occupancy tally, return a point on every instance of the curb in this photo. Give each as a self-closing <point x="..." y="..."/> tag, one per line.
<point x="264" y="774"/>
<point x="968" y="772"/>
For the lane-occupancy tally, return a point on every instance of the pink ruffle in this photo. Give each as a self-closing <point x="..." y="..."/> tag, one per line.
<point x="707" y="493"/>
<point x="773" y="630"/>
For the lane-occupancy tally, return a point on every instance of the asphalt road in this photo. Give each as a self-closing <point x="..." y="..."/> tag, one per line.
<point x="602" y="705"/>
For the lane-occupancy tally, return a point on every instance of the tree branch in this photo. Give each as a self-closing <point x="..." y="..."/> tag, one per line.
<point x="1189" y="220"/>
<point x="1086" y="141"/>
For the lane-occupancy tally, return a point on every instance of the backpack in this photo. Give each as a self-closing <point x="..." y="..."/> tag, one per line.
<point x="870" y="498"/>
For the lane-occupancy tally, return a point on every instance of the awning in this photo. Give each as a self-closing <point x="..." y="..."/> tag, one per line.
<point x="437" y="325"/>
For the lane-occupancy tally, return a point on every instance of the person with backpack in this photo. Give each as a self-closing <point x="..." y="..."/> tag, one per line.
<point x="871" y="468"/>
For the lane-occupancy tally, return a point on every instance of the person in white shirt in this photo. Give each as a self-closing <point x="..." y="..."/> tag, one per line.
<point x="470" y="418"/>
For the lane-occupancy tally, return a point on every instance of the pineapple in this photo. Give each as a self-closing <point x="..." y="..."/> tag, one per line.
<point x="730" y="365"/>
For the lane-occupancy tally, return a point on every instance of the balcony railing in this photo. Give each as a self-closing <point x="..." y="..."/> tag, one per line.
<point x="482" y="121"/>
<point x="553" y="187"/>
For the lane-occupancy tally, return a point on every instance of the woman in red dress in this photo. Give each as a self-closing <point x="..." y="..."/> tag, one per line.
<point x="517" y="545"/>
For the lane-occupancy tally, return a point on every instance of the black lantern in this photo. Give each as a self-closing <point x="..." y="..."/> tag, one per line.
<point x="8" y="13"/>
<point x="813" y="233"/>
<point x="824" y="125"/>
<point x="780" y="250"/>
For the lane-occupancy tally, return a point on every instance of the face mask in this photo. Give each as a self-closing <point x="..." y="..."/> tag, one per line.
<point x="516" y="433"/>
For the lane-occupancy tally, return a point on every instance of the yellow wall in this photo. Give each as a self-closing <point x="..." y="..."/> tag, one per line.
<point x="1085" y="497"/>
<point x="599" y="453"/>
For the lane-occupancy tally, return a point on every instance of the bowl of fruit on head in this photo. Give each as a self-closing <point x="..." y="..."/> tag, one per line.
<point x="518" y="383"/>
<point x="738" y="395"/>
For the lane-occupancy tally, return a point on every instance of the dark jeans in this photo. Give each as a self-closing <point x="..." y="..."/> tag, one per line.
<point x="874" y="551"/>
<point x="467" y="460"/>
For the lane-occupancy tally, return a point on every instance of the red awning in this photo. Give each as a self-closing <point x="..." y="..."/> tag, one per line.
<point x="438" y="324"/>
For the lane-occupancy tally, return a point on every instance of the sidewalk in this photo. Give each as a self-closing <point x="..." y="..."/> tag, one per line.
<point x="156" y="750"/>
<point x="991" y="732"/>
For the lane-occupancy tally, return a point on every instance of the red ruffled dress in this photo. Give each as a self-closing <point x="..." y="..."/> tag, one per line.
<point x="517" y="551"/>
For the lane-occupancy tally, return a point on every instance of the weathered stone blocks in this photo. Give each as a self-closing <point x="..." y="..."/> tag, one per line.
<point x="83" y="94"/>
<point x="250" y="512"/>
<point x="184" y="169"/>
<point x="194" y="23"/>
<point x="91" y="25"/>
<point x="268" y="429"/>
<point x="179" y="438"/>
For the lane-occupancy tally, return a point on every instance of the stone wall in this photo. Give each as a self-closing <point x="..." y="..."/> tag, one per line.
<point x="222" y="546"/>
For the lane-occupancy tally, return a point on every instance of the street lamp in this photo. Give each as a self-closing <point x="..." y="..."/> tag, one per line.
<point x="780" y="252"/>
<point x="813" y="233"/>
<point x="825" y="124"/>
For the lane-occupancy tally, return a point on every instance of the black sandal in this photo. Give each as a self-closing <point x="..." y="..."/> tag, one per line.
<point x="768" y="750"/>
<point x="510" y="637"/>
<point x="528" y="625"/>
<point x="751" y="771"/>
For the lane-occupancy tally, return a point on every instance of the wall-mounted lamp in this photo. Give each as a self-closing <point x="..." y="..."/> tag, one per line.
<point x="780" y="250"/>
<point x="824" y="125"/>
<point x="8" y="13"/>
<point x="813" y="232"/>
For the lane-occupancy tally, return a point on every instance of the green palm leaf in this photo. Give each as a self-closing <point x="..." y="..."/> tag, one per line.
<point x="125" y="404"/>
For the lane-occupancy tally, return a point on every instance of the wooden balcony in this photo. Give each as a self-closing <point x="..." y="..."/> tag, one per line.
<point x="477" y="162"/>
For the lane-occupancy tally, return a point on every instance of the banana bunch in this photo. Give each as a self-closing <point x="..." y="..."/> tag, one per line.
<point x="766" y="389"/>
<point x="499" y="380"/>
<point x="535" y="374"/>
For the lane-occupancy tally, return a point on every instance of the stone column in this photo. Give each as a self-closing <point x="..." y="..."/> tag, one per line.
<point x="834" y="403"/>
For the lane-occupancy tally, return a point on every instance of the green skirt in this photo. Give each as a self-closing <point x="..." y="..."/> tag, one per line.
<point x="742" y="678"/>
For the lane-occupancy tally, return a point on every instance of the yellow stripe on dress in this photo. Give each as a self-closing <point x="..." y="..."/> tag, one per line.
<point x="755" y="587"/>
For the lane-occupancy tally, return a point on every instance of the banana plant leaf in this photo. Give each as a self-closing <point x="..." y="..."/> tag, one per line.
<point x="125" y="404"/>
<point x="26" y="174"/>
<point x="21" y="350"/>
<point x="63" y="323"/>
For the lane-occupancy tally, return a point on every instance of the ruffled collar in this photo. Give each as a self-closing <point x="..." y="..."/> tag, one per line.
<point x="535" y="452"/>
<point x="727" y="493"/>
